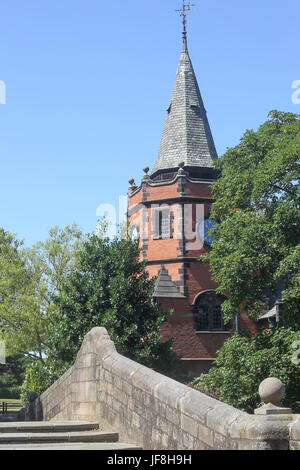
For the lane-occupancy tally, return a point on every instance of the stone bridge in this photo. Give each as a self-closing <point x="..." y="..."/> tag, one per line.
<point x="155" y="412"/>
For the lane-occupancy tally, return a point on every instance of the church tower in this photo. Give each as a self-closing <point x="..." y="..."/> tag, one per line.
<point x="169" y="214"/>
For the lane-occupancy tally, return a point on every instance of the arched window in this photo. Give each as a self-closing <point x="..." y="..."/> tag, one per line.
<point x="208" y="313"/>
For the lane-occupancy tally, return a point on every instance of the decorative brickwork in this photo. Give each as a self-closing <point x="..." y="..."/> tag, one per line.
<point x="181" y="264"/>
<point x="167" y="207"/>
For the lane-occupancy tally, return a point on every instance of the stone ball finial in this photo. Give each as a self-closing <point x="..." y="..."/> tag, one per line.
<point x="131" y="181"/>
<point x="271" y="390"/>
<point x="145" y="169"/>
<point x="32" y="396"/>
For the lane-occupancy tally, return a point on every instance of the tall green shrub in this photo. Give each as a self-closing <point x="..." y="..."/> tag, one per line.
<point x="109" y="286"/>
<point x="244" y="362"/>
<point x="37" y="379"/>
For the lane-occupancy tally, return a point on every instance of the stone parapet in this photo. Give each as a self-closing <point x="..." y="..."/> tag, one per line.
<point x="295" y="434"/>
<point x="154" y="411"/>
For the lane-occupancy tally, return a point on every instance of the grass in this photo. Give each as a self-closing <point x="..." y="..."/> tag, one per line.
<point x="11" y="400"/>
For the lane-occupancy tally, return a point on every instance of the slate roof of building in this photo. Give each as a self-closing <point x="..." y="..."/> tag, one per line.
<point x="269" y="314"/>
<point x="186" y="136"/>
<point x="164" y="286"/>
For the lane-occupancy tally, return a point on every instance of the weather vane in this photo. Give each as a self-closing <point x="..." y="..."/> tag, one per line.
<point x="183" y="12"/>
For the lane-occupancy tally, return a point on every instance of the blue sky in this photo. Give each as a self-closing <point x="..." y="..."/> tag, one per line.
<point x="88" y="84"/>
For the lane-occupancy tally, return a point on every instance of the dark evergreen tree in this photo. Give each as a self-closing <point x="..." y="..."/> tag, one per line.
<point x="12" y="374"/>
<point x="109" y="287"/>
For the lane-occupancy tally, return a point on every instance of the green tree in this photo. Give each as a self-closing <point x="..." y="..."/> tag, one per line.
<point x="37" y="379"/>
<point x="109" y="287"/>
<point x="54" y="257"/>
<point x="29" y="279"/>
<point x="256" y="253"/>
<point x="20" y="325"/>
<point x="244" y="362"/>
<point x="12" y="376"/>
<point x="256" y="247"/>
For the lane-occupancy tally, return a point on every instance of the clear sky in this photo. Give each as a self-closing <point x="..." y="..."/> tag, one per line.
<point x="88" y="84"/>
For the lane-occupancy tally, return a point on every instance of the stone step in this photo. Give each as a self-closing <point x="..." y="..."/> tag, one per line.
<point x="73" y="446"/>
<point x="45" y="437"/>
<point x="60" y="435"/>
<point x="48" y="426"/>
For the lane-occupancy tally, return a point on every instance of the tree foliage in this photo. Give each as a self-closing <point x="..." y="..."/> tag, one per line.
<point x="12" y="375"/>
<point x="55" y="256"/>
<point x="109" y="287"/>
<point x="29" y="279"/>
<point x="244" y="362"/>
<point x="256" y="247"/>
<point x="37" y="379"/>
<point x="20" y="323"/>
<point x="256" y="254"/>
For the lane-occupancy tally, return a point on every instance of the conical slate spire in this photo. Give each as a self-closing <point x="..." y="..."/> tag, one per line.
<point x="186" y="136"/>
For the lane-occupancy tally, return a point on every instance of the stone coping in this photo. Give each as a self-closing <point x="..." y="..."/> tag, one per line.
<point x="155" y="411"/>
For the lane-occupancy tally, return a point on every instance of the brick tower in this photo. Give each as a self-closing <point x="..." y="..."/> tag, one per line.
<point x="169" y="213"/>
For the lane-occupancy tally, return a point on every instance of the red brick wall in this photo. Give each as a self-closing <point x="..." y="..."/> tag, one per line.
<point x="190" y="344"/>
<point x="173" y="269"/>
<point x="180" y="326"/>
<point x="198" y="190"/>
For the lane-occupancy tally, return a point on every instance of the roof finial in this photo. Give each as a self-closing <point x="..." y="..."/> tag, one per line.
<point x="183" y="13"/>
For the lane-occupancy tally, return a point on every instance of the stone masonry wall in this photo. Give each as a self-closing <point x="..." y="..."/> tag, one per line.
<point x="295" y="434"/>
<point x="152" y="410"/>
